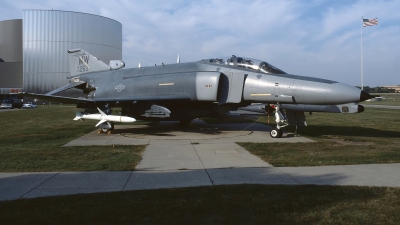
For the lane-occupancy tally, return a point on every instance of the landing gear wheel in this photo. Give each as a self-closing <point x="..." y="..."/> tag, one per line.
<point x="276" y="133"/>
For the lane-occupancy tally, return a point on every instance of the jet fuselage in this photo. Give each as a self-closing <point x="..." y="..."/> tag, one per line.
<point x="206" y="87"/>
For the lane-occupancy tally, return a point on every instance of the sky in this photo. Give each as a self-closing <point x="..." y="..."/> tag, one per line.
<point x="317" y="38"/>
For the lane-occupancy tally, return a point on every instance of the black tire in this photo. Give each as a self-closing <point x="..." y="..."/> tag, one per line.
<point x="276" y="133"/>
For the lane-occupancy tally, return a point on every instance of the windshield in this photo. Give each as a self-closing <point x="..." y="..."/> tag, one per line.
<point x="248" y="63"/>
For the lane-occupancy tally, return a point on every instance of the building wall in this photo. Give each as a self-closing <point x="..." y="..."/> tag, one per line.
<point x="49" y="34"/>
<point x="10" y="76"/>
<point x="10" y="56"/>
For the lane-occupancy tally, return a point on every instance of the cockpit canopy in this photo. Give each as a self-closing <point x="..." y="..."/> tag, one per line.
<point x="248" y="63"/>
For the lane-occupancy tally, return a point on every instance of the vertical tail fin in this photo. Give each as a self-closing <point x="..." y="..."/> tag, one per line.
<point x="81" y="61"/>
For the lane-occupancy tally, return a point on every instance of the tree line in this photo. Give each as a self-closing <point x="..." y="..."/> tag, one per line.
<point x="369" y="89"/>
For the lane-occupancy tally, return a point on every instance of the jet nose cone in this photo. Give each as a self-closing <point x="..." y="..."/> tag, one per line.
<point x="364" y="96"/>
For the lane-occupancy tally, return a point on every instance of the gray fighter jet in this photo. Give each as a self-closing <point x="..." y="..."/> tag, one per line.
<point x="206" y="88"/>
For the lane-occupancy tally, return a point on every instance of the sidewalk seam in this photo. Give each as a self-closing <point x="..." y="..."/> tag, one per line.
<point x="111" y="139"/>
<point x="38" y="185"/>
<point x="212" y="182"/>
<point x="127" y="180"/>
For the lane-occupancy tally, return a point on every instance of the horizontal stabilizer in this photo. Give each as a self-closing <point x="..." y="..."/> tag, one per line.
<point x="66" y="87"/>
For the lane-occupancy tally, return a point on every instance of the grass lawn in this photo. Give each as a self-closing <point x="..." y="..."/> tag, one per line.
<point x="390" y="99"/>
<point x="234" y="204"/>
<point x="31" y="141"/>
<point x="341" y="139"/>
<point x="395" y="102"/>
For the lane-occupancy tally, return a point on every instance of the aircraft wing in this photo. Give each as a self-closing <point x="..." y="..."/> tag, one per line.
<point x="52" y="98"/>
<point x="143" y="98"/>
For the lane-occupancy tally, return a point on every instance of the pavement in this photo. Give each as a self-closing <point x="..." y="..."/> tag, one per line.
<point x="198" y="155"/>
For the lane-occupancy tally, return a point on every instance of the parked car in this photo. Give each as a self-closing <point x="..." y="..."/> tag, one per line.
<point x="11" y="103"/>
<point x="29" y="105"/>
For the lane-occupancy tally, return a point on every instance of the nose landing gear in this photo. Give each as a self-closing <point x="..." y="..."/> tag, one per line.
<point x="281" y="122"/>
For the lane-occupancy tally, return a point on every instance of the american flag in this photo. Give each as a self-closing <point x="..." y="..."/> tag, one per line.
<point x="371" y="22"/>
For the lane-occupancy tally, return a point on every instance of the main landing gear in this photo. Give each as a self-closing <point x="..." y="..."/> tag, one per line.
<point x="281" y="122"/>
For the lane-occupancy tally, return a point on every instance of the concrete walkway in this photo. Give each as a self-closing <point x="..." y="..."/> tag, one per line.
<point x="199" y="155"/>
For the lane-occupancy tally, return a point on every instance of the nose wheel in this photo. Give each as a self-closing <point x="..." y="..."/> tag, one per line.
<point x="276" y="133"/>
<point x="281" y="122"/>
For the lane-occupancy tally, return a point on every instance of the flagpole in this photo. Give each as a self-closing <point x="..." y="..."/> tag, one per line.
<point x="362" y="55"/>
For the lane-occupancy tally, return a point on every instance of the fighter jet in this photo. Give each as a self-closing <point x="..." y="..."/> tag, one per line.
<point x="206" y="88"/>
